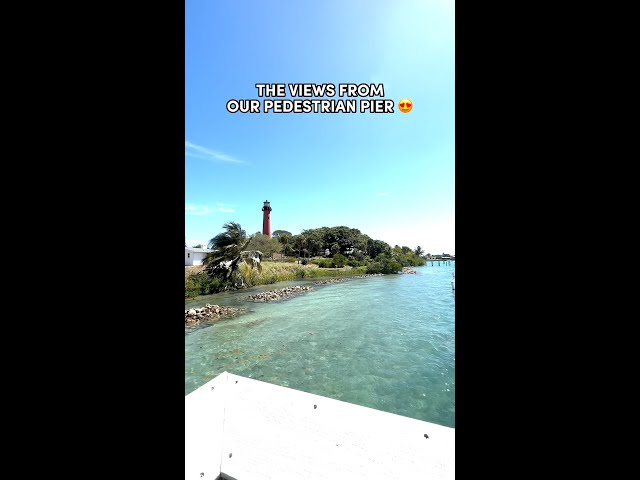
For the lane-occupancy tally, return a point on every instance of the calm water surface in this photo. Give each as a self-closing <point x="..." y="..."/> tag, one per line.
<point x="382" y="342"/>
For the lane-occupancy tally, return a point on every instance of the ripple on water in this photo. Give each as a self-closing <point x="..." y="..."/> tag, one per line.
<point x="382" y="342"/>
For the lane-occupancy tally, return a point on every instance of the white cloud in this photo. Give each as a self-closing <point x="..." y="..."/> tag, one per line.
<point x="197" y="151"/>
<point x="382" y="194"/>
<point x="196" y="210"/>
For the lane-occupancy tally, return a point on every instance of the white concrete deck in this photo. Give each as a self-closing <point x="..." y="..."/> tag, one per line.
<point x="244" y="429"/>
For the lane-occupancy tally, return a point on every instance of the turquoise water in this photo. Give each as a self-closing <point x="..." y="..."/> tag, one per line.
<point x="382" y="342"/>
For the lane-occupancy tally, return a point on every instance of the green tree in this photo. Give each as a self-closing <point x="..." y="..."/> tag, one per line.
<point x="229" y="253"/>
<point x="360" y="244"/>
<point x="419" y="251"/>
<point x="376" y="247"/>
<point x="335" y="248"/>
<point x="285" y="240"/>
<point x="280" y="233"/>
<point x="384" y="263"/>
<point x="233" y="235"/>
<point x="262" y="243"/>
<point x="322" y="238"/>
<point x="198" y="246"/>
<point x="315" y="243"/>
<point x="300" y="242"/>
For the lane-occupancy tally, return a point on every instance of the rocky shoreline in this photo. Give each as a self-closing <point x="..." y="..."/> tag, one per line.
<point x="331" y="281"/>
<point x="281" y="294"/>
<point x="211" y="313"/>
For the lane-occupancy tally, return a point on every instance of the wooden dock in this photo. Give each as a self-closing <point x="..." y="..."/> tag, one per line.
<point x="237" y="428"/>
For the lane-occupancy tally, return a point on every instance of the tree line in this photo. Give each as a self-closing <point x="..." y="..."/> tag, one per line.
<point x="343" y="240"/>
<point x="234" y="253"/>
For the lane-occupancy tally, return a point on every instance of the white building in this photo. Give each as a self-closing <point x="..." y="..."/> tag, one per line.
<point x="194" y="256"/>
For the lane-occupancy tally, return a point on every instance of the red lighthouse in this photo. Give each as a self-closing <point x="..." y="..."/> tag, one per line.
<point x="266" y="219"/>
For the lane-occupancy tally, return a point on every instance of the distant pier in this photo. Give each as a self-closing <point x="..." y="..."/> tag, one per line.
<point x="444" y="262"/>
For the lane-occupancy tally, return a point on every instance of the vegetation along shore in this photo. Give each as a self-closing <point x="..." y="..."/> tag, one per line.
<point x="240" y="261"/>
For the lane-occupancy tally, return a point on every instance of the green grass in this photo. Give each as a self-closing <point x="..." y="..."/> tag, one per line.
<point x="272" y="272"/>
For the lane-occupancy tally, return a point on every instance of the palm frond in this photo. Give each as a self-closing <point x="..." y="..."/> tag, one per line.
<point x="229" y="254"/>
<point x="233" y="235"/>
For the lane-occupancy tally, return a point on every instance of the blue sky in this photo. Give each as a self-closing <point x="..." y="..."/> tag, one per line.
<point x="389" y="175"/>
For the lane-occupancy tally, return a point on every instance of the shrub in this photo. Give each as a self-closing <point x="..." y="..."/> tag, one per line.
<point x="356" y="263"/>
<point x="191" y="290"/>
<point x="202" y="284"/>
<point x="392" y="267"/>
<point x="375" y="267"/>
<point x="323" y="262"/>
<point x="339" y="260"/>
<point x="384" y="266"/>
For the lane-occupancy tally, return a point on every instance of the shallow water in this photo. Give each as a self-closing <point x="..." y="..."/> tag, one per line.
<point x="382" y="342"/>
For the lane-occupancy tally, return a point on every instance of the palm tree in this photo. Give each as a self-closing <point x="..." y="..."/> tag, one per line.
<point x="233" y="235"/>
<point x="229" y="253"/>
<point x="300" y="242"/>
<point x="284" y="239"/>
<point x="419" y="251"/>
